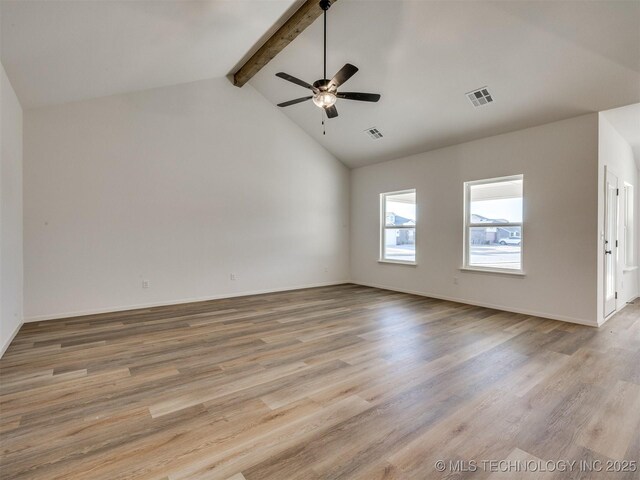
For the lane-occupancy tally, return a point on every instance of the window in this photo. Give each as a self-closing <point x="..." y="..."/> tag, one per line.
<point x="629" y="254"/>
<point x="398" y="232"/>
<point x="493" y="224"/>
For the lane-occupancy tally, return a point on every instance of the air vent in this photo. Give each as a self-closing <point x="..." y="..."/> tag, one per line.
<point x="374" y="133"/>
<point x="480" y="97"/>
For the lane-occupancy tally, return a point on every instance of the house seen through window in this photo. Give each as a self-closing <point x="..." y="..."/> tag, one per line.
<point x="493" y="220"/>
<point x="398" y="235"/>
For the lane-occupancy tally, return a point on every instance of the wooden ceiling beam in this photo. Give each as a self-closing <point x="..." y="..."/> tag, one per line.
<point x="294" y="26"/>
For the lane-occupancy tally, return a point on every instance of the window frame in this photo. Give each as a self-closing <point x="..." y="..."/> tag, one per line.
<point x="384" y="227"/>
<point x="468" y="225"/>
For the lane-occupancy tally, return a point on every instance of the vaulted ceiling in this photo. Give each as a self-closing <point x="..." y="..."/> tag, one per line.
<point x="57" y="51"/>
<point x="542" y="61"/>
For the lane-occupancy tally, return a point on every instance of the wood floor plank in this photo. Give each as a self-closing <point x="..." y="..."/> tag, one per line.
<point x="613" y="426"/>
<point x="340" y="382"/>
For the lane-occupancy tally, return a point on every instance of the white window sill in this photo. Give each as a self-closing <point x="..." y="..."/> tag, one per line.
<point x="398" y="262"/>
<point x="630" y="269"/>
<point x="514" y="273"/>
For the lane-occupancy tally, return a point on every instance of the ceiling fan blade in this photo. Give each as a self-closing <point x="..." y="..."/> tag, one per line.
<point x="293" y="102"/>
<point x="332" y="112"/>
<point x="295" y="80"/>
<point x="363" y="97"/>
<point x="343" y="75"/>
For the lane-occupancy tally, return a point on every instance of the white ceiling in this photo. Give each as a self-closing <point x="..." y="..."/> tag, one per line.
<point x="542" y="61"/>
<point x="59" y="51"/>
<point x="626" y="121"/>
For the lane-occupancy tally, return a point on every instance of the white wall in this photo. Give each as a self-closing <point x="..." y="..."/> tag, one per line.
<point x="616" y="155"/>
<point x="560" y="164"/>
<point x="11" y="271"/>
<point x="181" y="186"/>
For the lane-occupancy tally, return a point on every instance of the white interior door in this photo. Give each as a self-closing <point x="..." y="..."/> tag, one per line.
<point x="610" y="242"/>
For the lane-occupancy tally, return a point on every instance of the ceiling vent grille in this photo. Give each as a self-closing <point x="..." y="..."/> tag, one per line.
<point x="480" y="97"/>
<point x="374" y="133"/>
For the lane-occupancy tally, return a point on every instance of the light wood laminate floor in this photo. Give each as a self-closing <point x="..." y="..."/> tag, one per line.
<point x="343" y="382"/>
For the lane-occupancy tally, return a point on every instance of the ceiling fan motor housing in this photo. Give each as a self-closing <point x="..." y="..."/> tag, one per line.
<point x="324" y="85"/>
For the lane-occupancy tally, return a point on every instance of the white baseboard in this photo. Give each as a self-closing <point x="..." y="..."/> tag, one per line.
<point x="57" y="316"/>
<point x="562" y="318"/>
<point x="4" y="347"/>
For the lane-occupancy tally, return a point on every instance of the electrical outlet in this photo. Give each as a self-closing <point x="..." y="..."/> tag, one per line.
<point x="233" y="276"/>
<point x="145" y="283"/>
<point x="455" y="280"/>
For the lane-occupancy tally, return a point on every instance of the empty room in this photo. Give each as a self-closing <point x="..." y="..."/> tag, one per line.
<point x="319" y="239"/>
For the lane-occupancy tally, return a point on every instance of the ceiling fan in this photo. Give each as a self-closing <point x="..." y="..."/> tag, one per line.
<point x="325" y="91"/>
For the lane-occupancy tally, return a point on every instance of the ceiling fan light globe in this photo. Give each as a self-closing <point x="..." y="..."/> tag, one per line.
<point x="324" y="99"/>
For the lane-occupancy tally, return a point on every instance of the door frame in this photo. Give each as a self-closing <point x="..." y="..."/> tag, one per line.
<point x="613" y="249"/>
